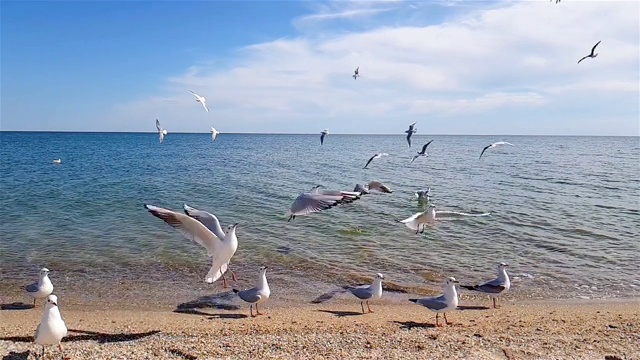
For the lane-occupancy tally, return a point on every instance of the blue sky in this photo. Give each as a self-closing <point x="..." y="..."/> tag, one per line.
<point x="455" y="67"/>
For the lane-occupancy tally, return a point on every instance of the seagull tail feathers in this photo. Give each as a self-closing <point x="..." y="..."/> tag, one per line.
<point x="469" y="287"/>
<point x="235" y="291"/>
<point x="411" y="222"/>
<point x="414" y="300"/>
<point x="216" y="272"/>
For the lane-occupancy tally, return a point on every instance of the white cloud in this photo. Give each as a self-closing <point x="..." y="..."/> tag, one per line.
<point x="513" y="62"/>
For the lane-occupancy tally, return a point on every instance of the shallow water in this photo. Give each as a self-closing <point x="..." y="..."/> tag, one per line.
<point x="564" y="211"/>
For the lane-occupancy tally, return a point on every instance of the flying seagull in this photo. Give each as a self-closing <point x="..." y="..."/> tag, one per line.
<point x="371" y="292"/>
<point x="204" y="229"/>
<point x="423" y="152"/>
<point x="494" y="145"/>
<point x="323" y="134"/>
<point x="356" y="74"/>
<point x="161" y="132"/>
<point x="257" y="294"/>
<point x="593" y="53"/>
<point x="214" y="133"/>
<point x="421" y="219"/>
<point x="441" y="304"/>
<point x="316" y="201"/>
<point x="378" y="155"/>
<point x="201" y="100"/>
<point x="378" y="186"/>
<point x="557" y="1"/>
<point x="410" y="132"/>
<point x="495" y="287"/>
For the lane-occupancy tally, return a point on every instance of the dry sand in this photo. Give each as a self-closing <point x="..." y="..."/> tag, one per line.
<point x="523" y="330"/>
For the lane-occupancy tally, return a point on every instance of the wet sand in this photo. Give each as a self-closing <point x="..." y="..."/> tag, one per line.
<point x="337" y="330"/>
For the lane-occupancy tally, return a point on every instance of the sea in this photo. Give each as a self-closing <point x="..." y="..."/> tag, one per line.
<point x="564" y="213"/>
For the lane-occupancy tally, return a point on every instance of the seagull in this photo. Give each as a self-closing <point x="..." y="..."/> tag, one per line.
<point x="214" y="133"/>
<point x="494" y="145"/>
<point x="423" y="152"/>
<point x="201" y="100"/>
<point x="361" y="189"/>
<point x="57" y="161"/>
<point x="323" y="134"/>
<point x="356" y="74"/>
<point x="52" y="328"/>
<point x="258" y="294"/>
<point x="204" y="228"/>
<point x="557" y="1"/>
<point x="423" y="195"/>
<point x="162" y="132"/>
<point x="495" y="287"/>
<point x="410" y="132"/>
<point x="371" y="292"/>
<point x="421" y="218"/>
<point x="378" y="155"/>
<point x="42" y="288"/>
<point x="441" y="304"/>
<point x="316" y="201"/>
<point x="593" y="53"/>
<point x="378" y="186"/>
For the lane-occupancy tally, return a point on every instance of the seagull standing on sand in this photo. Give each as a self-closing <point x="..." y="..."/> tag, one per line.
<point x="593" y="53"/>
<point x="322" y="135"/>
<point x="378" y="155"/>
<point x="214" y="134"/>
<point x="368" y="293"/>
<point x="444" y="303"/>
<point x="161" y="132"/>
<point x="316" y="201"/>
<point x="410" y="132"/>
<point x="258" y="294"/>
<point x="491" y="146"/>
<point x="52" y="328"/>
<point x="201" y="100"/>
<point x="356" y="74"/>
<point x="423" y="152"/>
<point x="495" y="287"/>
<point x="42" y="288"/>
<point x="204" y="228"/>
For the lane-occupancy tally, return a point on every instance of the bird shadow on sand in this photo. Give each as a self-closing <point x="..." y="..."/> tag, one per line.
<point x="17" y="356"/>
<point x="211" y="315"/>
<point x="221" y="301"/>
<point x="341" y="313"/>
<point x="182" y="354"/>
<point x="408" y="325"/>
<point x="101" y="338"/>
<point x="473" y="308"/>
<point x="16" y="306"/>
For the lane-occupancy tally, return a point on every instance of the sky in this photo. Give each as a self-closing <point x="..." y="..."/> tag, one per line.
<point x="453" y="66"/>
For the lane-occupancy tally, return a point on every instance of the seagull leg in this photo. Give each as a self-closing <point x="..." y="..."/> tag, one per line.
<point x="61" y="350"/>
<point x="362" y="305"/>
<point x="258" y="311"/>
<point x="34" y="302"/>
<point x="42" y="352"/>
<point x="437" y="323"/>
<point x="445" y="319"/>
<point x="233" y="276"/>
<point x="369" y="307"/>
<point x="494" y="303"/>
<point x="251" y="310"/>
<point x="224" y="282"/>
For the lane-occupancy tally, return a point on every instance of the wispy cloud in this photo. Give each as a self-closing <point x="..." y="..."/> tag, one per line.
<point x="512" y="64"/>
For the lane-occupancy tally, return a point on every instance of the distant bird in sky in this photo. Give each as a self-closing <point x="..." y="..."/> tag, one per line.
<point x="161" y="132"/>
<point x="494" y="145"/>
<point x="410" y="132"/>
<point x="356" y="74"/>
<point x="201" y="100"/>
<point x="378" y="155"/>
<point x="214" y="133"/>
<point x="593" y="53"/>
<point x="557" y="1"/>
<point x="423" y="152"/>
<point x="322" y="135"/>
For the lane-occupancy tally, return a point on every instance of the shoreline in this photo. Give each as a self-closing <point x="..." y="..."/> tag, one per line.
<point x="548" y="329"/>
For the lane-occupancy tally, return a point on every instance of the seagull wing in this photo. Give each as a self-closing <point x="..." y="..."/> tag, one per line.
<point x="424" y="148"/>
<point x="194" y="94"/>
<point x="32" y="288"/>
<point x="191" y="228"/>
<point x="582" y="59"/>
<point x="158" y="125"/>
<point x="250" y="295"/>
<point x="361" y="293"/>
<point x="322" y="138"/>
<point x="370" y="160"/>
<point x="204" y="104"/>
<point x="414" y="158"/>
<point x="437" y="303"/>
<point x="409" y="137"/>
<point x="207" y="219"/>
<point x="483" y="150"/>
<point x="593" y="49"/>
<point x="307" y="203"/>
<point x="161" y="137"/>
<point x="377" y="185"/>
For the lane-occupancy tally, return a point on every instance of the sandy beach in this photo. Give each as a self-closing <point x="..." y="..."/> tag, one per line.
<point x="520" y="330"/>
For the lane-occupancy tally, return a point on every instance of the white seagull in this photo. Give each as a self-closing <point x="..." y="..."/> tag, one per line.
<point x="430" y="216"/>
<point x="204" y="228"/>
<point x="423" y="195"/>
<point x="378" y="186"/>
<point x="258" y="294"/>
<point x="441" y="304"/>
<point x="201" y="100"/>
<point x="42" y="288"/>
<point x="322" y="135"/>
<point x="161" y="132"/>
<point x="491" y="146"/>
<point x="423" y="152"/>
<point x="410" y="132"/>
<point x="368" y="293"/>
<point x="214" y="133"/>
<point x="356" y="74"/>
<point x="316" y="201"/>
<point x="376" y="156"/>
<point x="593" y="53"/>
<point x="57" y="161"/>
<point x="495" y="287"/>
<point x="52" y="328"/>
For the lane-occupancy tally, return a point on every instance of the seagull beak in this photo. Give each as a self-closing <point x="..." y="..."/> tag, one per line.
<point x="456" y="282"/>
<point x="236" y="224"/>
<point x="54" y="304"/>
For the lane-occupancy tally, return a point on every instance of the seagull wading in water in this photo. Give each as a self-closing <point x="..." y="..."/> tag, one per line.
<point x="495" y="287"/>
<point x="593" y="53"/>
<point x="448" y="301"/>
<point x="161" y="132"/>
<point x="256" y="295"/>
<point x="52" y="328"/>
<point x="42" y="288"/>
<point x="201" y="100"/>
<point x="368" y="293"/>
<point x="204" y="228"/>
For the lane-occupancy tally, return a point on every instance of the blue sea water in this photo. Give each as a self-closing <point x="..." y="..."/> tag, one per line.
<point x="565" y="211"/>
